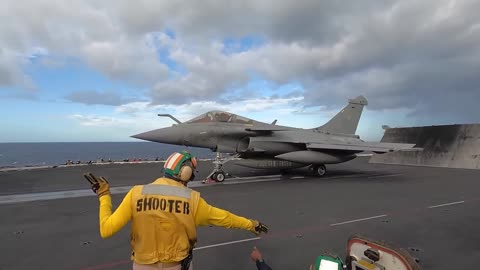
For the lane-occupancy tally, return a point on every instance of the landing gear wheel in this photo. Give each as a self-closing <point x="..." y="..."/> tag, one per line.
<point x="319" y="170"/>
<point x="219" y="176"/>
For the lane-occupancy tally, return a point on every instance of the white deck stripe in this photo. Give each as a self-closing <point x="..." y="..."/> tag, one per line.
<point x="40" y="196"/>
<point x="357" y="220"/>
<point x="228" y="243"/>
<point x="250" y="181"/>
<point x="385" y="175"/>
<point x="257" y="177"/>
<point x="445" y="204"/>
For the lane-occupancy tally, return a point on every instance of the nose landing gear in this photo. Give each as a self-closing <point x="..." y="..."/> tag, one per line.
<point x="218" y="175"/>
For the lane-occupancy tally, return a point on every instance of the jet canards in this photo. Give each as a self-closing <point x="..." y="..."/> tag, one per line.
<point x="262" y="145"/>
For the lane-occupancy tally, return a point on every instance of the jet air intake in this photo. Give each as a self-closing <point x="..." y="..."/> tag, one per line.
<point x="315" y="157"/>
<point x="266" y="146"/>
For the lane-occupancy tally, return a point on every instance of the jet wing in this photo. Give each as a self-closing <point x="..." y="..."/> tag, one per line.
<point x="373" y="147"/>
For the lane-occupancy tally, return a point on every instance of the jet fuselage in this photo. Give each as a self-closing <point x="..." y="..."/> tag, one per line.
<point x="277" y="149"/>
<point x="263" y="145"/>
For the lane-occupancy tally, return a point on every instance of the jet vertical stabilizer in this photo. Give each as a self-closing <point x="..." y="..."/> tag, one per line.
<point x="346" y="121"/>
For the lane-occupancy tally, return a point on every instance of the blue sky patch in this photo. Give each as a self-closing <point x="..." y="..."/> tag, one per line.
<point x="163" y="53"/>
<point x="238" y="45"/>
<point x="164" y="57"/>
<point x="72" y="76"/>
<point x="169" y="32"/>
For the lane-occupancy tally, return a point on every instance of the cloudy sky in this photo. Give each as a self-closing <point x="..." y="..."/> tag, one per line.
<point x="102" y="70"/>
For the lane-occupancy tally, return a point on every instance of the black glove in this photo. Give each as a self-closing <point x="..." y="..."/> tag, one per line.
<point x="259" y="228"/>
<point x="99" y="185"/>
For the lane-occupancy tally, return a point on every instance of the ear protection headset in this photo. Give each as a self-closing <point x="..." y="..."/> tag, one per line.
<point x="186" y="173"/>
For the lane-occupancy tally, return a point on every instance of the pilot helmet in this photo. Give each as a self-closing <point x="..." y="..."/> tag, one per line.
<point x="180" y="166"/>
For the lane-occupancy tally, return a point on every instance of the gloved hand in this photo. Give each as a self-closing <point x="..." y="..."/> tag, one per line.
<point x="99" y="184"/>
<point x="259" y="227"/>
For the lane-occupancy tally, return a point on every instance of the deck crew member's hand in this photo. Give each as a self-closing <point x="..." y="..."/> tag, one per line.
<point x="256" y="255"/>
<point x="259" y="228"/>
<point x="99" y="185"/>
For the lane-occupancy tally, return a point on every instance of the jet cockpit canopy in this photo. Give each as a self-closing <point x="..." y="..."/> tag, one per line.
<point x="221" y="116"/>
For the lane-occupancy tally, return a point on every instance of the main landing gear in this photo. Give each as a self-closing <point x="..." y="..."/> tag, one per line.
<point x="218" y="175"/>
<point x="319" y="170"/>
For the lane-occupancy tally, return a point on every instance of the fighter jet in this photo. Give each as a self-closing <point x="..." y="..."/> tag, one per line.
<point x="257" y="144"/>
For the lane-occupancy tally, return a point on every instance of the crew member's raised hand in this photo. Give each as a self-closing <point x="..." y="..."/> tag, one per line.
<point x="259" y="228"/>
<point x="99" y="185"/>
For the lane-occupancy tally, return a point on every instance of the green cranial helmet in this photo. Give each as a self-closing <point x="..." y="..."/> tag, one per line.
<point x="175" y="162"/>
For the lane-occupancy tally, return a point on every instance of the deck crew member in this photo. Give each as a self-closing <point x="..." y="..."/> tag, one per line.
<point x="164" y="215"/>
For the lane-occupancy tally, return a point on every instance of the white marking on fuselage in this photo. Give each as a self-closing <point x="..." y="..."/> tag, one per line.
<point x="364" y="155"/>
<point x="228" y="243"/>
<point x="445" y="204"/>
<point x="356" y="220"/>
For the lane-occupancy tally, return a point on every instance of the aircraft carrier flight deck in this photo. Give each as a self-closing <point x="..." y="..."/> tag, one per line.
<point x="50" y="216"/>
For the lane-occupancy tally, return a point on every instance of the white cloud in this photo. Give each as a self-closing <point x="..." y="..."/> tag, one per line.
<point x="141" y="116"/>
<point x="243" y="107"/>
<point x="80" y="29"/>
<point x="100" y="121"/>
<point x="400" y="54"/>
<point x="94" y="97"/>
<point x="132" y="108"/>
<point x="127" y="60"/>
<point x="10" y="71"/>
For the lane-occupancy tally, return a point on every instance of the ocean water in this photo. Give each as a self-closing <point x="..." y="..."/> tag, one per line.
<point x="46" y="154"/>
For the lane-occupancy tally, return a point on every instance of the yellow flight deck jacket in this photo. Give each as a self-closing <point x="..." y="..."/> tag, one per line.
<point x="164" y="217"/>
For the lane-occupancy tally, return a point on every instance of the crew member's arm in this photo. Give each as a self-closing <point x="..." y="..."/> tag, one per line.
<point x="112" y="223"/>
<point x="262" y="265"/>
<point x="210" y="215"/>
<point x="259" y="262"/>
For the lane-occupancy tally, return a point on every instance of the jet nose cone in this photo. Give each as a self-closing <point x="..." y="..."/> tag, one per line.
<point x="148" y="136"/>
<point x="163" y="135"/>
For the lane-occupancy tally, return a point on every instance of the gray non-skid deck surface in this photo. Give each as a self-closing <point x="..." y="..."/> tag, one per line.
<point x="70" y="178"/>
<point x="306" y="216"/>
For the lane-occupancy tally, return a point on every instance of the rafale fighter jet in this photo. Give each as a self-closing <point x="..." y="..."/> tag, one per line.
<point x="262" y="145"/>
